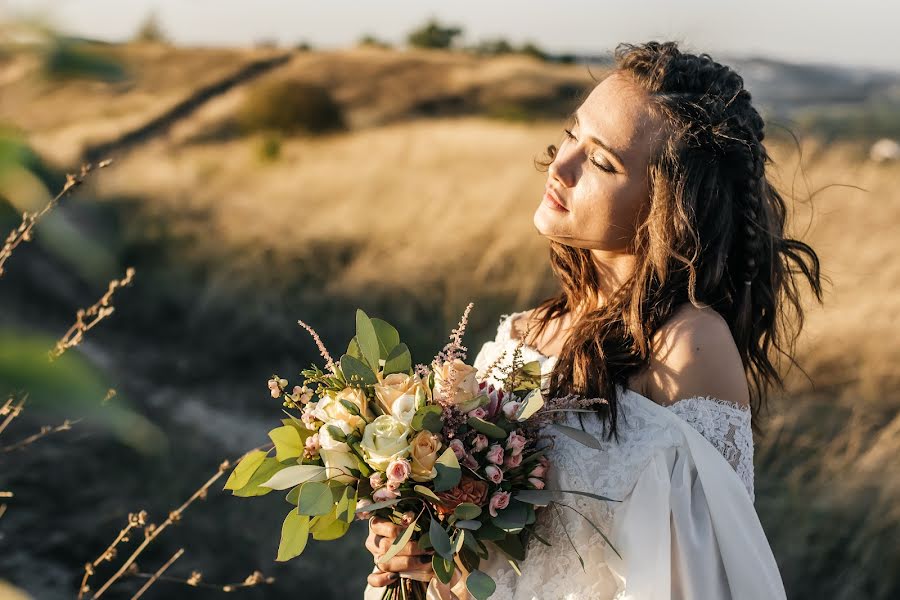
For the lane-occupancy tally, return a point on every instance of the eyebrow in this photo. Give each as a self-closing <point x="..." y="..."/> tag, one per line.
<point x="601" y="143"/>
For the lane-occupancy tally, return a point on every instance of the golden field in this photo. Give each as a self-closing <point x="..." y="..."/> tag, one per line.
<point x="412" y="212"/>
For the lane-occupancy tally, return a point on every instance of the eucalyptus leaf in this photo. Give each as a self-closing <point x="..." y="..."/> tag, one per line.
<point x="513" y="517"/>
<point x="480" y="585"/>
<point x="582" y="437"/>
<point x="399" y="542"/>
<point x="254" y="487"/>
<point x="467" y="510"/>
<point x="388" y="336"/>
<point x="287" y="442"/>
<point x="352" y="366"/>
<point x="377" y="505"/>
<point x="245" y="469"/>
<point x="329" y="527"/>
<point x="487" y="428"/>
<point x="424" y="491"/>
<point x="291" y="476"/>
<point x="472" y="524"/>
<point x="351" y="407"/>
<point x="315" y="499"/>
<point x="440" y="540"/>
<point x="443" y="568"/>
<point x="399" y="360"/>
<point x="294" y="535"/>
<point x="532" y="403"/>
<point x="545" y="496"/>
<point x="448" y="471"/>
<point x="367" y="339"/>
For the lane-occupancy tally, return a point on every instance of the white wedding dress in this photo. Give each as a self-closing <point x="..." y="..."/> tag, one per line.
<point x="685" y="527"/>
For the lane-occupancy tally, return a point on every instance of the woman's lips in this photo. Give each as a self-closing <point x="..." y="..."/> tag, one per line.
<point x="551" y="201"/>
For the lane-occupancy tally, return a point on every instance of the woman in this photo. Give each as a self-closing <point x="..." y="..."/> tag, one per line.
<point x="676" y="275"/>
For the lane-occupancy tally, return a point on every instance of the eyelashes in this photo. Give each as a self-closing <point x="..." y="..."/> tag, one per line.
<point x="571" y="136"/>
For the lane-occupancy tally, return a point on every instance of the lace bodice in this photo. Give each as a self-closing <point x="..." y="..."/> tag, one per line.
<point x="613" y="472"/>
<point x="725" y="424"/>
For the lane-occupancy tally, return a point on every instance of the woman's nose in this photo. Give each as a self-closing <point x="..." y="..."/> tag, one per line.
<point x="562" y="169"/>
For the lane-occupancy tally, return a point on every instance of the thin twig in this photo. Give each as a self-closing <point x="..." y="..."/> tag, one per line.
<point x="10" y="411"/>
<point x="24" y="232"/>
<point x="156" y="575"/>
<point x="100" y="310"/>
<point x="45" y="430"/>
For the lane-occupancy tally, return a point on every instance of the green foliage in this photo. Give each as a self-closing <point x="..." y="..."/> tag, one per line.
<point x="448" y="471"/>
<point x="269" y="149"/>
<point x="151" y="31"/>
<point x="433" y="35"/>
<point x="371" y="40"/>
<point x="64" y="58"/>
<point x="290" y="106"/>
<point x="294" y="535"/>
<point x="480" y="585"/>
<point x="440" y="541"/>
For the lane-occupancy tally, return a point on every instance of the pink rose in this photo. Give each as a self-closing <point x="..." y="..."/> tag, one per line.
<point x="495" y="454"/>
<point x="407" y="518"/>
<point x="363" y="502"/>
<point x="538" y="471"/>
<point x="458" y="449"/>
<point x="398" y="470"/>
<point x="384" y="493"/>
<point x="376" y="480"/>
<point x="515" y="443"/>
<point x="494" y="474"/>
<point x="512" y="461"/>
<point x="478" y="412"/>
<point x="537" y="483"/>
<point x="479" y="443"/>
<point x="499" y="501"/>
<point x="469" y="461"/>
<point x="511" y="408"/>
<point x="393" y="485"/>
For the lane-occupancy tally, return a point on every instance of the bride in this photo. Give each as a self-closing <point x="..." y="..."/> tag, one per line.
<point x="669" y="245"/>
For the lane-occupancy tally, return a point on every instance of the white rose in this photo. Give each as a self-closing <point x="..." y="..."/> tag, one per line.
<point x="327" y="441"/>
<point x="403" y="408"/>
<point x="329" y="409"/>
<point x="385" y="439"/>
<point x="338" y="465"/>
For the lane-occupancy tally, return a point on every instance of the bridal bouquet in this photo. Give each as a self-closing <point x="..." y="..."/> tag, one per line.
<point x="434" y="448"/>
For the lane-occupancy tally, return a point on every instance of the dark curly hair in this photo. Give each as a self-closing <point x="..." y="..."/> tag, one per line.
<point x="714" y="236"/>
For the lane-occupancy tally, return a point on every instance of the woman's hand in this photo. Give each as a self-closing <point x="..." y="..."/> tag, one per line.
<point x="382" y="533"/>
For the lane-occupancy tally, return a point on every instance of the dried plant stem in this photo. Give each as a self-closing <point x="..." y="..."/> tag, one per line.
<point x="156" y="575"/>
<point x="152" y="532"/>
<point x="45" y="430"/>
<point x="24" y="232"/>
<point x="100" y="310"/>
<point x="10" y="411"/>
<point x="194" y="580"/>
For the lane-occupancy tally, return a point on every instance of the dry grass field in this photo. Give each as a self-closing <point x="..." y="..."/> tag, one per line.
<point x="415" y="214"/>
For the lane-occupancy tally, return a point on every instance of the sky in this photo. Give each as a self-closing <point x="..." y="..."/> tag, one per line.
<point x="860" y="33"/>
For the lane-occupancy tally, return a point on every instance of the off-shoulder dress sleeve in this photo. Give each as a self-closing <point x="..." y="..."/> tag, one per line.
<point x="689" y="529"/>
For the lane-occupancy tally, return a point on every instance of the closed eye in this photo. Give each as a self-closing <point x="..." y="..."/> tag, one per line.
<point x="570" y="135"/>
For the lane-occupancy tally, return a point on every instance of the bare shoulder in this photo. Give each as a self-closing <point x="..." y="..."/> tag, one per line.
<point x="694" y="354"/>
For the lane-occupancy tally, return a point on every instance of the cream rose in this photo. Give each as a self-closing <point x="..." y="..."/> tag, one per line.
<point x="329" y="408"/>
<point x="464" y="381"/>
<point x="338" y="464"/>
<point x="391" y="387"/>
<point x="404" y="408"/>
<point x="423" y="453"/>
<point x="385" y="439"/>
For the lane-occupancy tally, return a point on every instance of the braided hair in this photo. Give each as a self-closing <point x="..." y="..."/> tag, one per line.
<point x="714" y="235"/>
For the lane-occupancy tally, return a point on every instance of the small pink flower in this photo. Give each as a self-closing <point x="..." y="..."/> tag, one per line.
<point x="478" y="412"/>
<point x="495" y="454"/>
<point x="458" y="448"/>
<point x="384" y="493"/>
<point x="515" y="443"/>
<point x="393" y="485"/>
<point x="469" y="461"/>
<point x="362" y="502"/>
<point x="407" y="518"/>
<point x="512" y="461"/>
<point x="511" y="408"/>
<point x="398" y="470"/>
<point x="499" y="501"/>
<point x="479" y="443"/>
<point x="537" y="483"/>
<point x="376" y="480"/>
<point x="544" y="460"/>
<point x="308" y="418"/>
<point x="312" y="446"/>
<point x="494" y="474"/>
<point x="538" y="471"/>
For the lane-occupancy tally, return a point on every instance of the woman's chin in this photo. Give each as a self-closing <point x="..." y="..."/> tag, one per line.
<point x="546" y="221"/>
